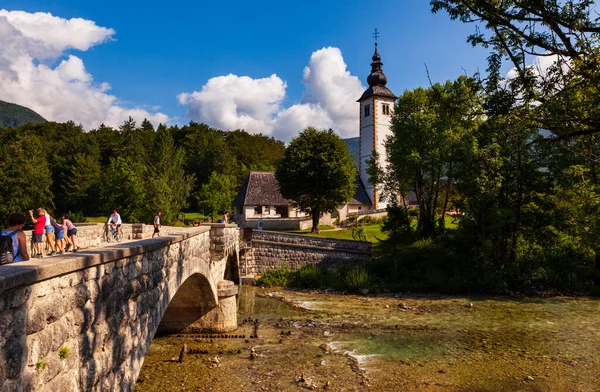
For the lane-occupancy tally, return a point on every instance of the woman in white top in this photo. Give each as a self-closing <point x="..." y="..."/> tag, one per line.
<point x="49" y="230"/>
<point x="15" y="224"/>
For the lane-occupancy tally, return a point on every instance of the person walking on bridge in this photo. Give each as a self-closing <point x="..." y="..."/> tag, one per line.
<point x="115" y="220"/>
<point x="156" y="224"/>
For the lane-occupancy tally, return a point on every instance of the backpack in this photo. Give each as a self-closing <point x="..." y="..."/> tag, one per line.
<point x="6" y="248"/>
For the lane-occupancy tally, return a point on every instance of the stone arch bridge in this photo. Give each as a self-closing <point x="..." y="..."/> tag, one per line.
<point x="85" y="321"/>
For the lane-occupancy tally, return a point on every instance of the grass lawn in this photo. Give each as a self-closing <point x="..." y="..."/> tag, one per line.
<point x="373" y="233"/>
<point x="96" y="219"/>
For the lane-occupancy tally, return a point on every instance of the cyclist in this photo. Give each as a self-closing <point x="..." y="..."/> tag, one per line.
<point x="115" y="221"/>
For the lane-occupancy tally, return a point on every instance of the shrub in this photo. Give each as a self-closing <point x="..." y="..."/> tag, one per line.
<point x="356" y="278"/>
<point x="278" y="277"/>
<point x="41" y="365"/>
<point x="308" y="276"/>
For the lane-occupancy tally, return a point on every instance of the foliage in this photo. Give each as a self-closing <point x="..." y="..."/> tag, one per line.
<point x="41" y="365"/>
<point x="356" y="278"/>
<point x="317" y="173"/>
<point x="64" y="352"/>
<point x="563" y="96"/>
<point x="134" y="169"/>
<point x="217" y="195"/>
<point x="13" y="115"/>
<point x="427" y="127"/>
<point x="25" y="176"/>
<point x="277" y="277"/>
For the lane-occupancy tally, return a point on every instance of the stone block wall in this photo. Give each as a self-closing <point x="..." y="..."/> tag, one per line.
<point x="85" y="322"/>
<point x="271" y="249"/>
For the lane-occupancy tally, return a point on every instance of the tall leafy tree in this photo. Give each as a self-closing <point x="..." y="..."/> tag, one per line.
<point x="25" y="177"/>
<point x="317" y="173"/>
<point x="216" y="196"/>
<point x="168" y="184"/>
<point x="426" y="128"/>
<point x="563" y="95"/>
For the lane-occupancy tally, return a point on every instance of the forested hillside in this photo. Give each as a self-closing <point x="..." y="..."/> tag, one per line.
<point x="135" y="168"/>
<point x="13" y="115"/>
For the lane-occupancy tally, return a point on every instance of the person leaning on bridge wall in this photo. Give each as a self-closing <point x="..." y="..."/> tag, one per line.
<point x="15" y="223"/>
<point x="38" y="231"/>
<point x="49" y="230"/>
<point x="71" y="233"/>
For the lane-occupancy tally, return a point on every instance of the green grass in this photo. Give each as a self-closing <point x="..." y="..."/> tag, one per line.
<point x="97" y="219"/>
<point x="373" y="233"/>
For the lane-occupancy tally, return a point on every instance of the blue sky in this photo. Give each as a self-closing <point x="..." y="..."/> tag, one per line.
<point x="160" y="49"/>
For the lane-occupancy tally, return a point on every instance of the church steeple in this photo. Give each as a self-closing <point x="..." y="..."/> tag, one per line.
<point x="377" y="79"/>
<point x="376" y="107"/>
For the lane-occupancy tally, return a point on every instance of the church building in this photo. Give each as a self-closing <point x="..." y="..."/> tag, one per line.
<point x="259" y="202"/>
<point x="375" y="111"/>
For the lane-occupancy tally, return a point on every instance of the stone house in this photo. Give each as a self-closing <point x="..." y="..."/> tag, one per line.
<point x="260" y="201"/>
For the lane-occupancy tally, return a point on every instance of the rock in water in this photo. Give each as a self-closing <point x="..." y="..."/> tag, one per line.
<point x="183" y="352"/>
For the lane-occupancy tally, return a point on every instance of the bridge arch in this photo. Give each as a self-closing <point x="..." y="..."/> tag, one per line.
<point x="104" y="306"/>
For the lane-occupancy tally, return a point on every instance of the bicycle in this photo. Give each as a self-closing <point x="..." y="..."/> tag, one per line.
<point x="115" y="232"/>
<point x="358" y="233"/>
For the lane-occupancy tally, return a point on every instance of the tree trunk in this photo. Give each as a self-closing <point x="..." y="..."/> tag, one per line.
<point x="316" y="214"/>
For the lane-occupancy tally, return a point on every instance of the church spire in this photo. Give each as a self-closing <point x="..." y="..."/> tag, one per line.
<point x="377" y="79"/>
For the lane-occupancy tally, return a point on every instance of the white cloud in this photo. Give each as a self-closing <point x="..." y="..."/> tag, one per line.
<point x="240" y="102"/>
<point x="236" y="102"/>
<point x="30" y="42"/>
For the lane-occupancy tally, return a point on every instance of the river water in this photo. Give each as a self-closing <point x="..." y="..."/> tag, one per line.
<point x="321" y="341"/>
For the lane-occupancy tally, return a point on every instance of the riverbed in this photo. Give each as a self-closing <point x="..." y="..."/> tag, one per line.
<point x="297" y="340"/>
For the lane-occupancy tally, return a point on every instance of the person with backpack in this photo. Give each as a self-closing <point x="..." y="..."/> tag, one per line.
<point x="38" y="230"/>
<point x="13" y="242"/>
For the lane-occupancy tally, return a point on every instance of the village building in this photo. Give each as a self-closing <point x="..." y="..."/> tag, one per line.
<point x="259" y="203"/>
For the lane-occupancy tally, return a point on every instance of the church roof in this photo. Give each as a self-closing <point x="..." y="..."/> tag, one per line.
<point x="260" y="189"/>
<point x="377" y="80"/>
<point x="360" y="195"/>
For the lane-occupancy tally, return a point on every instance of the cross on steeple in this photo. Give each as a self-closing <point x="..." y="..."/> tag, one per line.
<point x="376" y="35"/>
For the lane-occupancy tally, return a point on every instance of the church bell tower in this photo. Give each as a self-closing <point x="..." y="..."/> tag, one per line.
<point x="376" y="107"/>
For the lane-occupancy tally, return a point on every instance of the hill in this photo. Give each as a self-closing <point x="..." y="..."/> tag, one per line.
<point x="13" y="115"/>
<point x="353" y="143"/>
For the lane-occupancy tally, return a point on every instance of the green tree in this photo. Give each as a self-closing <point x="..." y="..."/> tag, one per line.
<point x="168" y="184"/>
<point x="25" y="177"/>
<point x="563" y="97"/>
<point x="216" y="196"/>
<point x="83" y="185"/>
<point x="125" y="189"/>
<point x="426" y="128"/>
<point x="317" y="173"/>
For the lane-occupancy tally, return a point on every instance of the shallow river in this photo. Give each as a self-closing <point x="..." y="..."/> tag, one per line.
<point x="317" y="341"/>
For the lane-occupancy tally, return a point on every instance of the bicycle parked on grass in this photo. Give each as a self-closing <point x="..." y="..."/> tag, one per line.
<point x="358" y="232"/>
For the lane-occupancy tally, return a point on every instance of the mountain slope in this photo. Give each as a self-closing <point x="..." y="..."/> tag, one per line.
<point x="353" y="144"/>
<point x="13" y="115"/>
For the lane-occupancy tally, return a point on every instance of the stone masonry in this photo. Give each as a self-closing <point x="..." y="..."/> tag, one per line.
<point x="85" y="321"/>
<point x="270" y="249"/>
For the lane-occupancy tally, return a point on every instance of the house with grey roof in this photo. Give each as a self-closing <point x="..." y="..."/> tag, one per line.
<point x="259" y="201"/>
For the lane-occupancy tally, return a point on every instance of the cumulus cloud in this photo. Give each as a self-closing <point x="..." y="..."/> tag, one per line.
<point x="30" y="75"/>
<point x="240" y="102"/>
